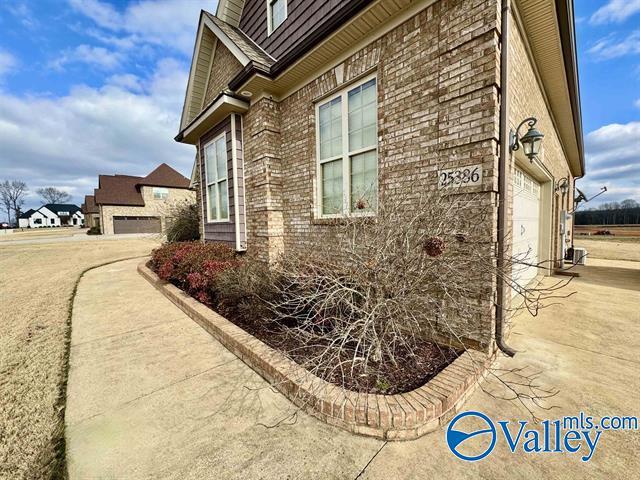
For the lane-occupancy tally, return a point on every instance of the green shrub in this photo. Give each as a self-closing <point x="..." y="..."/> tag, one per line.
<point x="184" y="223"/>
<point x="94" y="231"/>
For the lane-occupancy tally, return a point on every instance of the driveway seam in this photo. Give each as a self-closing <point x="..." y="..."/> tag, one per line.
<point x="123" y="333"/>
<point x="371" y="459"/>
<point x="156" y="390"/>
<point x="590" y="351"/>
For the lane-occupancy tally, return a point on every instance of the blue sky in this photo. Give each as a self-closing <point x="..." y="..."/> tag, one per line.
<point x="96" y="86"/>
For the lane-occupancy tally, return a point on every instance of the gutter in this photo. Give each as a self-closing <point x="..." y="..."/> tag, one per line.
<point x="501" y="291"/>
<point x="566" y="23"/>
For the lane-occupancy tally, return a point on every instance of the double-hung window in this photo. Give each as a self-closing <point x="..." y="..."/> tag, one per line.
<point x="215" y="155"/>
<point x="347" y="149"/>
<point x="160" y="193"/>
<point x="277" y="13"/>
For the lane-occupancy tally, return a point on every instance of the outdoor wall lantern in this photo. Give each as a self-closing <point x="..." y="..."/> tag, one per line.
<point x="562" y="186"/>
<point x="531" y="141"/>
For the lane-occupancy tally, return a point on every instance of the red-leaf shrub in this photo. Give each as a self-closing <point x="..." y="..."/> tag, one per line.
<point x="194" y="267"/>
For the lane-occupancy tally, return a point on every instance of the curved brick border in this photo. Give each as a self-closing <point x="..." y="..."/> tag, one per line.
<point x="391" y="417"/>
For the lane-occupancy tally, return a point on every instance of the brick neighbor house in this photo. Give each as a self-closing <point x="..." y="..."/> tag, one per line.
<point x="303" y="111"/>
<point x="129" y="204"/>
<point x="91" y="212"/>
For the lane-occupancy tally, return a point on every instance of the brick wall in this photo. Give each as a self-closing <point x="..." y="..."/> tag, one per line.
<point x="438" y="107"/>
<point x="226" y="67"/>
<point x="527" y="99"/>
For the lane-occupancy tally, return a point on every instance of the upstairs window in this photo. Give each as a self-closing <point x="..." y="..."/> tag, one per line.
<point x="347" y="149"/>
<point x="160" y="193"/>
<point x="215" y="165"/>
<point x="276" y="13"/>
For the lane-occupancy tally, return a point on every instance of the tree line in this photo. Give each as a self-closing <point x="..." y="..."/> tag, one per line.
<point x="14" y="192"/>
<point x="626" y="212"/>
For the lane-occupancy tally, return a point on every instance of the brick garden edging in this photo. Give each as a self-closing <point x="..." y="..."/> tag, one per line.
<point x="390" y="417"/>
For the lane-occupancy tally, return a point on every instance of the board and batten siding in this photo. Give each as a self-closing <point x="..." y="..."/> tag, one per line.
<point x="303" y="17"/>
<point x="232" y="232"/>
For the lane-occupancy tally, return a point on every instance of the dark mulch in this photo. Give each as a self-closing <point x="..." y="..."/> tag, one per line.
<point x="412" y="370"/>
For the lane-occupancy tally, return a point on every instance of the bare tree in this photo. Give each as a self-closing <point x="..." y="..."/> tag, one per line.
<point x="12" y="194"/>
<point x="53" y="195"/>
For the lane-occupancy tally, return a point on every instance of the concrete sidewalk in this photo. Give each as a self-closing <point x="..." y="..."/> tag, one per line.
<point x="151" y="395"/>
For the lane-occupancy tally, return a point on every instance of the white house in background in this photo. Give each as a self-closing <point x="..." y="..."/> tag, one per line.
<point x="52" y="215"/>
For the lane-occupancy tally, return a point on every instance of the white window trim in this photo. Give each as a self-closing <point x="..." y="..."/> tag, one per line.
<point x="346" y="154"/>
<point x="223" y="135"/>
<point x="161" y="197"/>
<point x="270" y="30"/>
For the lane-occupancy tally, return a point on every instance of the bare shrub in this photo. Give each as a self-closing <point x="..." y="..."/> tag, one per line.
<point x="184" y="223"/>
<point x="364" y="298"/>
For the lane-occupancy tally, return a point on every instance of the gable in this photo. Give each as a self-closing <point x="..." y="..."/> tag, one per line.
<point x="213" y="33"/>
<point x="223" y="68"/>
<point x="230" y="11"/>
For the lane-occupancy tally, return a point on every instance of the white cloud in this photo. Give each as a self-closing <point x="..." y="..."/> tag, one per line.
<point x="96" y="56"/>
<point x="612" y="161"/>
<point x="168" y="23"/>
<point x="615" y="11"/>
<point x="611" y="47"/>
<point x="7" y="63"/>
<point x="126" y="126"/>
<point x="637" y="103"/>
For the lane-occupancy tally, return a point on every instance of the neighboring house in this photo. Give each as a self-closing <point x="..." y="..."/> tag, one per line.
<point x="91" y="212"/>
<point x="304" y="111"/>
<point x="52" y="215"/>
<point x="129" y="204"/>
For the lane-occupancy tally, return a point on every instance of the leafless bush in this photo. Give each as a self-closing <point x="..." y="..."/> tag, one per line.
<point x="366" y="296"/>
<point x="183" y="222"/>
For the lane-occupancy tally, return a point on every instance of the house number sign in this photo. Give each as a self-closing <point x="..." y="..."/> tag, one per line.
<point x="460" y="177"/>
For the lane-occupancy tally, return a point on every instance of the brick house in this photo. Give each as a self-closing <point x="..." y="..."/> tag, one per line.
<point x="91" y="212"/>
<point x="300" y="110"/>
<point x="129" y="204"/>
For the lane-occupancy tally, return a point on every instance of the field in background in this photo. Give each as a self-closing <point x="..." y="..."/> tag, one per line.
<point x="37" y="281"/>
<point x="616" y="230"/>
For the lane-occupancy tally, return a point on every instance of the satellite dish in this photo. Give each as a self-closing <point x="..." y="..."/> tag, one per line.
<point x="581" y="196"/>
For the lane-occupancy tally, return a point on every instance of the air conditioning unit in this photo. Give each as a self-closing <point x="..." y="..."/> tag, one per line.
<point x="579" y="256"/>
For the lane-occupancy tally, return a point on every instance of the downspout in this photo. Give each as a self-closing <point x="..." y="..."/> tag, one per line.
<point x="503" y="175"/>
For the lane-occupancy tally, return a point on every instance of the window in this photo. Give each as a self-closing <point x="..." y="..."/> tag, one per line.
<point x="37" y="221"/>
<point x="276" y="13"/>
<point x="53" y="221"/>
<point x="347" y="148"/>
<point x="160" y="193"/>
<point x="215" y="155"/>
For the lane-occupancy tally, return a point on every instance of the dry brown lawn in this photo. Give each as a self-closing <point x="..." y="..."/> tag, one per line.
<point x="29" y="233"/>
<point x="36" y="284"/>
<point x="610" y="248"/>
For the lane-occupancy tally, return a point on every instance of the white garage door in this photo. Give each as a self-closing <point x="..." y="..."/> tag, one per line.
<point x="526" y="226"/>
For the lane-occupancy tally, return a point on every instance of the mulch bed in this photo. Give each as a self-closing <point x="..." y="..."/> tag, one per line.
<point x="413" y="369"/>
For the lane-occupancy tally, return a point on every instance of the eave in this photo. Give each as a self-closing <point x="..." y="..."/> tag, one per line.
<point x="224" y="105"/>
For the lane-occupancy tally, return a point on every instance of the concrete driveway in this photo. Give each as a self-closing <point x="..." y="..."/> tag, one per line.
<point x="151" y="395"/>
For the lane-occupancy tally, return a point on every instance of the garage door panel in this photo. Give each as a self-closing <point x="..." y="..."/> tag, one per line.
<point x="525" y="226"/>
<point x="137" y="224"/>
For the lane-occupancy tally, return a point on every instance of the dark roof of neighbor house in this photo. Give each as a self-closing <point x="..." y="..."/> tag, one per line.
<point x="62" y="207"/>
<point x="89" y="205"/>
<point x="28" y="213"/>
<point x="125" y="189"/>
<point x="165" y="176"/>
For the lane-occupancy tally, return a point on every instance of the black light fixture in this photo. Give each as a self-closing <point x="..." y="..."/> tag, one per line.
<point x="562" y="185"/>
<point x="531" y="141"/>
